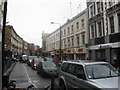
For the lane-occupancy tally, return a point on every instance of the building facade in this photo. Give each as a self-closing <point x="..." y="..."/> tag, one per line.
<point x="13" y="42"/>
<point x="44" y="36"/>
<point x="74" y="38"/>
<point x="104" y="30"/>
<point x="31" y="48"/>
<point x="25" y="48"/>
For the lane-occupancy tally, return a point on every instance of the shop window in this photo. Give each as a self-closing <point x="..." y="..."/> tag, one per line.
<point x="100" y="55"/>
<point x="113" y="56"/>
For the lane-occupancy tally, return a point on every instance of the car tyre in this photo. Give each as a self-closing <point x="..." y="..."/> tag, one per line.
<point x="62" y="86"/>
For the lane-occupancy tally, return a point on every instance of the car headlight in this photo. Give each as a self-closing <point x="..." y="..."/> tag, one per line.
<point x="35" y="65"/>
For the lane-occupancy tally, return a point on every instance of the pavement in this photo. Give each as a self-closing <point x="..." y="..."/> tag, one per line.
<point x="7" y="73"/>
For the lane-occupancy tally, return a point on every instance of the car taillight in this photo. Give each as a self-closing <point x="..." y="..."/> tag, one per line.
<point x="35" y="64"/>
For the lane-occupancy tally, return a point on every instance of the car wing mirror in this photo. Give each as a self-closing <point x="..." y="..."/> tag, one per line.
<point x="118" y="71"/>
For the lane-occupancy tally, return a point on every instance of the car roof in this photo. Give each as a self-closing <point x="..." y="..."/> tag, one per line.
<point x="85" y="62"/>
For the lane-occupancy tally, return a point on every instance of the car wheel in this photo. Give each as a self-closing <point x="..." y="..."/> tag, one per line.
<point x="62" y="86"/>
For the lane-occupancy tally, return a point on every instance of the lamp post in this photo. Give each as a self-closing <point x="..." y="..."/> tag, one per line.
<point x="60" y="37"/>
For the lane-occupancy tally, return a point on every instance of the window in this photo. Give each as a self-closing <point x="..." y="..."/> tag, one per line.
<point x="64" y="43"/>
<point x="83" y="38"/>
<point x="72" y="29"/>
<point x="77" y="37"/>
<point x="71" y="69"/>
<point x="111" y="19"/>
<point x="111" y="3"/>
<point x="64" y="32"/>
<point x="79" y="70"/>
<point x="92" y="31"/>
<point x="68" y="42"/>
<point x="91" y="11"/>
<point x="68" y="30"/>
<point x="77" y="26"/>
<point x="61" y="44"/>
<point x="64" y="67"/>
<point x="72" y="39"/>
<point x="100" y="71"/>
<point x="119" y="22"/>
<point x="82" y="23"/>
<point x="98" y="7"/>
<point x="99" y="29"/>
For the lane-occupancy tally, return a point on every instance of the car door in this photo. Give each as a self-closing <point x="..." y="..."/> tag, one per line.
<point x="39" y="67"/>
<point x="70" y="76"/>
<point x="80" y="82"/>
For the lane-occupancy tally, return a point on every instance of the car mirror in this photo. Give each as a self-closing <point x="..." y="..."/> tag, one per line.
<point x="81" y="76"/>
<point x="118" y="69"/>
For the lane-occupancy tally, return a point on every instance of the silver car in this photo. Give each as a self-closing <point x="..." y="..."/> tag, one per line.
<point x="88" y="75"/>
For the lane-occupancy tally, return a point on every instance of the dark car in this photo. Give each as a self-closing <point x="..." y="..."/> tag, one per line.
<point x="35" y="62"/>
<point x="30" y="58"/>
<point x="47" y="68"/>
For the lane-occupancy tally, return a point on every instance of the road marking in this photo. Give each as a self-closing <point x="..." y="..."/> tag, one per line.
<point x="29" y="79"/>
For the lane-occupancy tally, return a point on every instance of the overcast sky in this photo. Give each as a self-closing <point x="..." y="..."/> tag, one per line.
<point x="31" y="17"/>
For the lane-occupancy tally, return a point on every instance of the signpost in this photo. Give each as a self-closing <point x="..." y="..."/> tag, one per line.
<point x="2" y="57"/>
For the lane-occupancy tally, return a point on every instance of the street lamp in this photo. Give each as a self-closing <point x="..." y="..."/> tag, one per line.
<point x="60" y="37"/>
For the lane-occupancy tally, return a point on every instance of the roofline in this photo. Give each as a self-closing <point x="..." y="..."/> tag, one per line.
<point x="80" y="14"/>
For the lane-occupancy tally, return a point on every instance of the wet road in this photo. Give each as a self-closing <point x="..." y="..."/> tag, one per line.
<point x="25" y="76"/>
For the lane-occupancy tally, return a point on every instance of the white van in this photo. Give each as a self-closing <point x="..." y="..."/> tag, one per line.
<point x="24" y="58"/>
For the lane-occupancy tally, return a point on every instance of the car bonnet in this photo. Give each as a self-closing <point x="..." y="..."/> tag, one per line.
<point x="112" y="82"/>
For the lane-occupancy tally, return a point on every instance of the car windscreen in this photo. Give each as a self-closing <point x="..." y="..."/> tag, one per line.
<point x="48" y="64"/>
<point x="95" y="71"/>
<point x="32" y="57"/>
<point x="49" y="59"/>
<point x="37" y="60"/>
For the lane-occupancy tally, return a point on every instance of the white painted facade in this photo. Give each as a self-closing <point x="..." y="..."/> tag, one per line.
<point x="74" y="36"/>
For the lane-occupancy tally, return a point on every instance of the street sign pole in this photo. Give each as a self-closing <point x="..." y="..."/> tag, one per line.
<point x="2" y="42"/>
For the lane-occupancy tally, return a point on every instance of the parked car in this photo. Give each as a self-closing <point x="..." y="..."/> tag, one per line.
<point x="30" y="58"/>
<point x="35" y="62"/>
<point x="87" y="75"/>
<point x="49" y="59"/>
<point x="47" y="68"/>
<point x="24" y="58"/>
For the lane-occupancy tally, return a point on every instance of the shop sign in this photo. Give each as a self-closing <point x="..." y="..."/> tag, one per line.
<point x="80" y="50"/>
<point x="73" y="50"/>
<point x="105" y="46"/>
<point x="64" y="51"/>
<point x="68" y="50"/>
<point x="53" y="53"/>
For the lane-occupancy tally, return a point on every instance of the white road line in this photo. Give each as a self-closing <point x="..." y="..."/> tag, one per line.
<point x="29" y="79"/>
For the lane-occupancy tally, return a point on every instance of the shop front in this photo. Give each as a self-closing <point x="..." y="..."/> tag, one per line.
<point x="115" y="57"/>
<point x="76" y="53"/>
